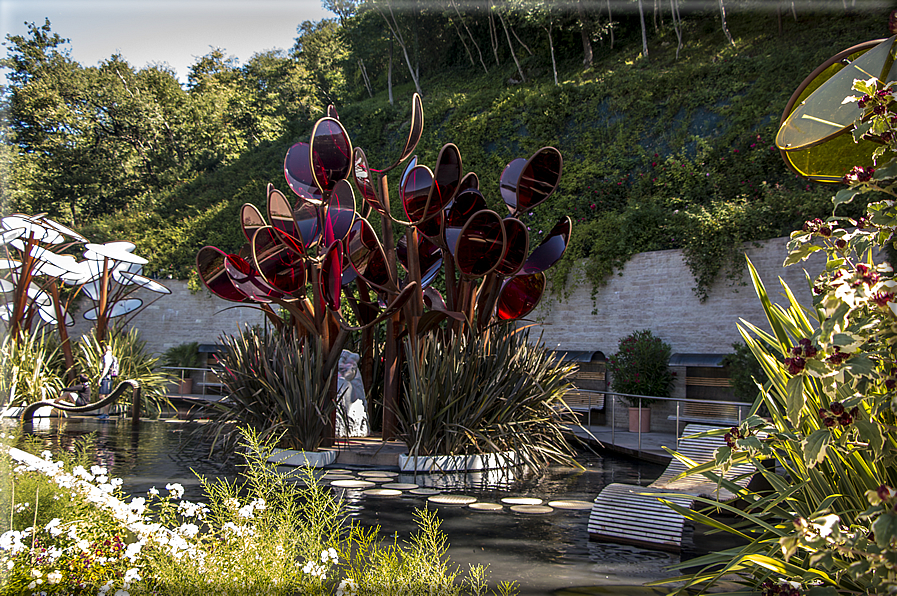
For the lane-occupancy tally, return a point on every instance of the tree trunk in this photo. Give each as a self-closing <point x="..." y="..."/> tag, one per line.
<point x="722" y="14"/>
<point x="641" y="14"/>
<point x="586" y="33"/>
<point x="520" y="41"/>
<point x="510" y="45"/>
<point x="474" y="41"/>
<point x="394" y="28"/>
<point x="389" y="73"/>
<point x="554" y="65"/>
<point x="677" y="24"/>
<point x="493" y="39"/>
<point x="364" y="75"/>
<point x="610" y="24"/>
<point x="463" y="43"/>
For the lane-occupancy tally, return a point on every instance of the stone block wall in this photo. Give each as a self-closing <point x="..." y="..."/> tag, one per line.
<point x="181" y="317"/>
<point x="654" y="291"/>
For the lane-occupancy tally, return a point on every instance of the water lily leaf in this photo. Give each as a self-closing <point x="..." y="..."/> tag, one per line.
<point x="795" y="390"/>
<point x="815" y="446"/>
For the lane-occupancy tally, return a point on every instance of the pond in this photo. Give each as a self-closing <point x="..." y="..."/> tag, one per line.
<point x="544" y="553"/>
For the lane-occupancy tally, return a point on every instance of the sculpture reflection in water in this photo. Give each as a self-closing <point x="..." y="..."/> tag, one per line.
<point x="317" y="251"/>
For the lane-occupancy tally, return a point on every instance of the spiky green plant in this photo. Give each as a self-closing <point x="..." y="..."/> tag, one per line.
<point x="485" y="393"/>
<point x="183" y="355"/>
<point x="273" y="385"/>
<point x="30" y="369"/>
<point x="134" y="363"/>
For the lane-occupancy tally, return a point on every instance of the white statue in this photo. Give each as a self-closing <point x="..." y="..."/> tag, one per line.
<point x="352" y="406"/>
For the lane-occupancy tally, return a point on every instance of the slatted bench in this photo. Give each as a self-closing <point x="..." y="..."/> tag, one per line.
<point x="625" y="514"/>
<point x="583" y="397"/>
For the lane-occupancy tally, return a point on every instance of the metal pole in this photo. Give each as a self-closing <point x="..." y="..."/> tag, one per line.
<point x="613" y="419"/>
<point x="678" y="403"/>
<point x="640" y="425"/>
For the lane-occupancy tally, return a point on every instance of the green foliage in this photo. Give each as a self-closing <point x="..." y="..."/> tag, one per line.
<point x="485" y="393"/>
<point x="32" y="369"/>
<point x="745" y="373"/>
<point x="184" y="355"/>
<point x="134" y="363"/>
<point x="659" y="154"/>
<point x="267" y="532"/>
<point x="641" y="367"/>
<point x="827" y="527"/>
<point x="275" y="387"/>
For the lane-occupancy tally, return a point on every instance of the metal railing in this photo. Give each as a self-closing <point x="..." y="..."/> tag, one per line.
<point x="739" y="405"/>
<point x="205" y="371"/>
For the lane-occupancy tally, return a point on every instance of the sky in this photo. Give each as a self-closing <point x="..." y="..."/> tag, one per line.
<point x="176" y="32"/>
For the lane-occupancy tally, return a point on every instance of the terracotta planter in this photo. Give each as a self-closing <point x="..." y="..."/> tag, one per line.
<point x="640" y="417"/>
<point x="185" y="386"/>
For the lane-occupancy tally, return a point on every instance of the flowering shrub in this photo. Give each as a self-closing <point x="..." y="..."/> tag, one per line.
<point x="640" y="367"/>
<point x="266" y="534"/>
<point x="830" y="525"/>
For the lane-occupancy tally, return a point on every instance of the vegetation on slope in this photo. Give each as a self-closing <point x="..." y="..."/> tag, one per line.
<point x="660" y="152"/>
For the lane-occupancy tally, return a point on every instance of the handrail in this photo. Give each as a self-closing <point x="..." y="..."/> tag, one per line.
<point x="614" y="394"/>
<point x="204" y="371"/>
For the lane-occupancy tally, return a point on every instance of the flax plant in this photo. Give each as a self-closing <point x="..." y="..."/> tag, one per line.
<point x="30" y="369"/>
<point x="486" y="393"/>
<point x="274" y="385"/>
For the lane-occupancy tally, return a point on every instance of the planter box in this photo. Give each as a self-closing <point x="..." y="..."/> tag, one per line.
<point x="640" y="417"/>
<point x="457" y="463"/>
<point x="291" y="457"/>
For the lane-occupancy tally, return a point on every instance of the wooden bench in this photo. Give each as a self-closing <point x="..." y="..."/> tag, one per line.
<point x="583" y="396"/>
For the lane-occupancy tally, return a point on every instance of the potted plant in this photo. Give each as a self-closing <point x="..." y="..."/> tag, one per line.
<point x="640" y="367"/>
<point x="184" y="355"/>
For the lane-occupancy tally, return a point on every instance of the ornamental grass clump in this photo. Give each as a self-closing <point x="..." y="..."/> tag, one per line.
<point x="275" y="385"/>
<point x="640" y="367"/>
<point x="71" y="530"/>
<point x="486" y="393"/>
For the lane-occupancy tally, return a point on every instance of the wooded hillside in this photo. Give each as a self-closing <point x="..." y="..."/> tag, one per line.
<point x="665" y="113"/>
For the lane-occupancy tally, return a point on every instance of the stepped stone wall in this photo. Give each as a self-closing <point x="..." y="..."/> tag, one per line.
<point x="182" y="317"/>
<point x="654" y="291"/>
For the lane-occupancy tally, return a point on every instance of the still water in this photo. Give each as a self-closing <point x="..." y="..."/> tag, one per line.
<point x="544" y="553"/>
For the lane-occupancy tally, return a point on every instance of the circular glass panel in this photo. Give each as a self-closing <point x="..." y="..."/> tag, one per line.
<point x="481" y="244"/>
<point x="519" y="296"/>
<point x="331" y="153"/>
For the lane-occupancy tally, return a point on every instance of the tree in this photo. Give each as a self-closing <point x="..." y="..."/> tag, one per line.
<point x="393" y="24"/>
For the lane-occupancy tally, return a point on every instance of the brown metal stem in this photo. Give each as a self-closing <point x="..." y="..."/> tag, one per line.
<point x="391" y="351"/>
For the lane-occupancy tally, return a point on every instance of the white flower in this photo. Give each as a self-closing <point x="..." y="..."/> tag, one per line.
<point x="53" y="527"/>
<point x="47" y="455"/>
<point x="176" y="490"/>
<point x="346" y="588"/>
<point x="246" y="511"/>
<point x="330" y="553"/>
<point x="153" y="491"/>
<point x="315" y="570"/>
<point x="54" y="577"/>
<point x="188" y="530"/>
<point x="259" y="504"/>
